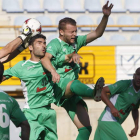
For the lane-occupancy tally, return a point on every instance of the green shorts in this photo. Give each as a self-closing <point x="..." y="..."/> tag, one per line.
<point x="42" y="123"/>
<point x="109" y="131"/>
<point x="70" y="103"/>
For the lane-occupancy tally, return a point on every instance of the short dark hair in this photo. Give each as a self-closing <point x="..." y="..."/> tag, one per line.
<point x="64" y="21"/>
<point x="32" y="39"/>
<point x="1" y="71"/>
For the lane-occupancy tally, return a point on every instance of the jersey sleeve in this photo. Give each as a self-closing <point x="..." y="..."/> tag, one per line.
<point x="16" y="116"/>
<point x="52" y="48"/>
<point x="81" y="41"/>
<point x="13" y="71"/>
<point x="119" y="87"/>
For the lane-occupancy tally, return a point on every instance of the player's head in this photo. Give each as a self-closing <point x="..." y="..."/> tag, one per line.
<point x="67" y="30"/>
<point x="136" y="78"/>
<point x="37" y="45"/>
<point x="1" y="71"/>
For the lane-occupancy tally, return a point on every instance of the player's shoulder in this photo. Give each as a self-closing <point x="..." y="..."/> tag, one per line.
<point x="20" y="63"/>
<point x="53" y="41"/>
<point x="5" y="98"/>
<point x="125" y="82"/>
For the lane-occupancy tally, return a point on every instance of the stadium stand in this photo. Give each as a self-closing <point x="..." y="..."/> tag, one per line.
<point x="118" y="8"/>
<point x="117" y="37"/>
<point x="110" y="22"/>
<point x="11" y="6"/>
<point x="85" y="20"/>
<point x="19" y="21"/>
<point x="53" y="6"/>
<point x="44" y="20"/>
<point x="117" y="42"/>
<point x="127" y="20"/>
<point x="93" y="6"/>
<point x="53" y="36"/>
<point x="73" y="6"/>
<point x="135" y="37"/>
<point x="32" y="6"/>
<point x="132" y="6"/>
<point x="59" y="18"/>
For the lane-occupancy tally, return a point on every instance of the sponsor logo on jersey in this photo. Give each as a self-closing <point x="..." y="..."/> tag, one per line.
<point x="49" y="48"/>
<point x="66" y="70"/>
<point x="40" y="89"/>
<point x="30" y="67"/>
<point x="6" y="101"/>
<point x="64" y="50"/>
<point x="130" y="93"/>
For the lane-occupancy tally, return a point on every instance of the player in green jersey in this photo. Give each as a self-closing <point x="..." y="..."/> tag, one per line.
<point x="10" y="110"/>
<point x="124" y="97"/>
<point x="37" y="90"/>
<point x="62" y="60"/>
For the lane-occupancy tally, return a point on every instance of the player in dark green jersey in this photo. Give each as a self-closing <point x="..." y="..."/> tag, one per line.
<point x="10" y="110"/>
<point x="124" y="98"/>
<point x="37" y="90"/>
<point x="62" y="60"/>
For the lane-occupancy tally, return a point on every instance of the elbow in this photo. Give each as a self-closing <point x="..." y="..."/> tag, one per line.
<point x="25" y="125"/>
<point x="99" y="35"/>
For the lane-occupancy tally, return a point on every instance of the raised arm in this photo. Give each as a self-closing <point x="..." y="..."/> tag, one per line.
<point x="101" y="27"/>
<point x="105" y="99"/>
<point x="13" y="45"/>
<point x="135" y="115"/>
<point x="10" y="47"/>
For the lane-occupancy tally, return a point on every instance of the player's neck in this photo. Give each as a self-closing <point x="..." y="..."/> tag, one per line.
<point x="35" y="59"/>
<point x="61" y="38"/>
<point x="136" y="87"/>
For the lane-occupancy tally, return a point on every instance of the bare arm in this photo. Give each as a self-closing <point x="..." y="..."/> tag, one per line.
<point x="135" y="115"/>
<point x="46" y="62"/>
<point x="12" y="55"/>
<point x="105" y="99"/>
<point x="10" y="47"/>
<point x="25" y="130"/>
<point x="101" y="27"/>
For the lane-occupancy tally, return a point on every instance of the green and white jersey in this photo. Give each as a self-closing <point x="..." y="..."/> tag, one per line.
<point x="124" y="97"/>
<point x="59" y="49"/>
<point x="36" y="83"/>
<point x="9" y="110"/>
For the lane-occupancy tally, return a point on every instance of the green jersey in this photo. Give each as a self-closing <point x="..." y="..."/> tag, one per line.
<point x="9" y="110"/>
<point x="59" y="49"/>
<point x="37" y="86"/>
<point x="124" y="97"/>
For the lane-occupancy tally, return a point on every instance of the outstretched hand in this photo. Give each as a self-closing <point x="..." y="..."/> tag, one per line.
<point x="107" y="9"/>
<point x="75" y="58"/>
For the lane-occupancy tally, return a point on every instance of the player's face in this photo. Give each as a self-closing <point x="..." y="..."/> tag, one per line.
<point x="39" y="47"/>
<point x="136" y="79"/>
<point x="69" y="33"/>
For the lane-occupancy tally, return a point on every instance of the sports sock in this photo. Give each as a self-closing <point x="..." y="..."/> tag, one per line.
<point x="84" y="133"/>
<point x="81" y="89"/>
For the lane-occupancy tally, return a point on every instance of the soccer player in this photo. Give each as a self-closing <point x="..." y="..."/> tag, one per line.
<point x="61" y="59"/>
<point x="37" y="90"/>
<point x="10" y="110"/>
<point x="124" y="97"/>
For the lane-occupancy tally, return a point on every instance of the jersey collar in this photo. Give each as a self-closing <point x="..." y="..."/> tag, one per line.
<point x="62" y="42"/>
